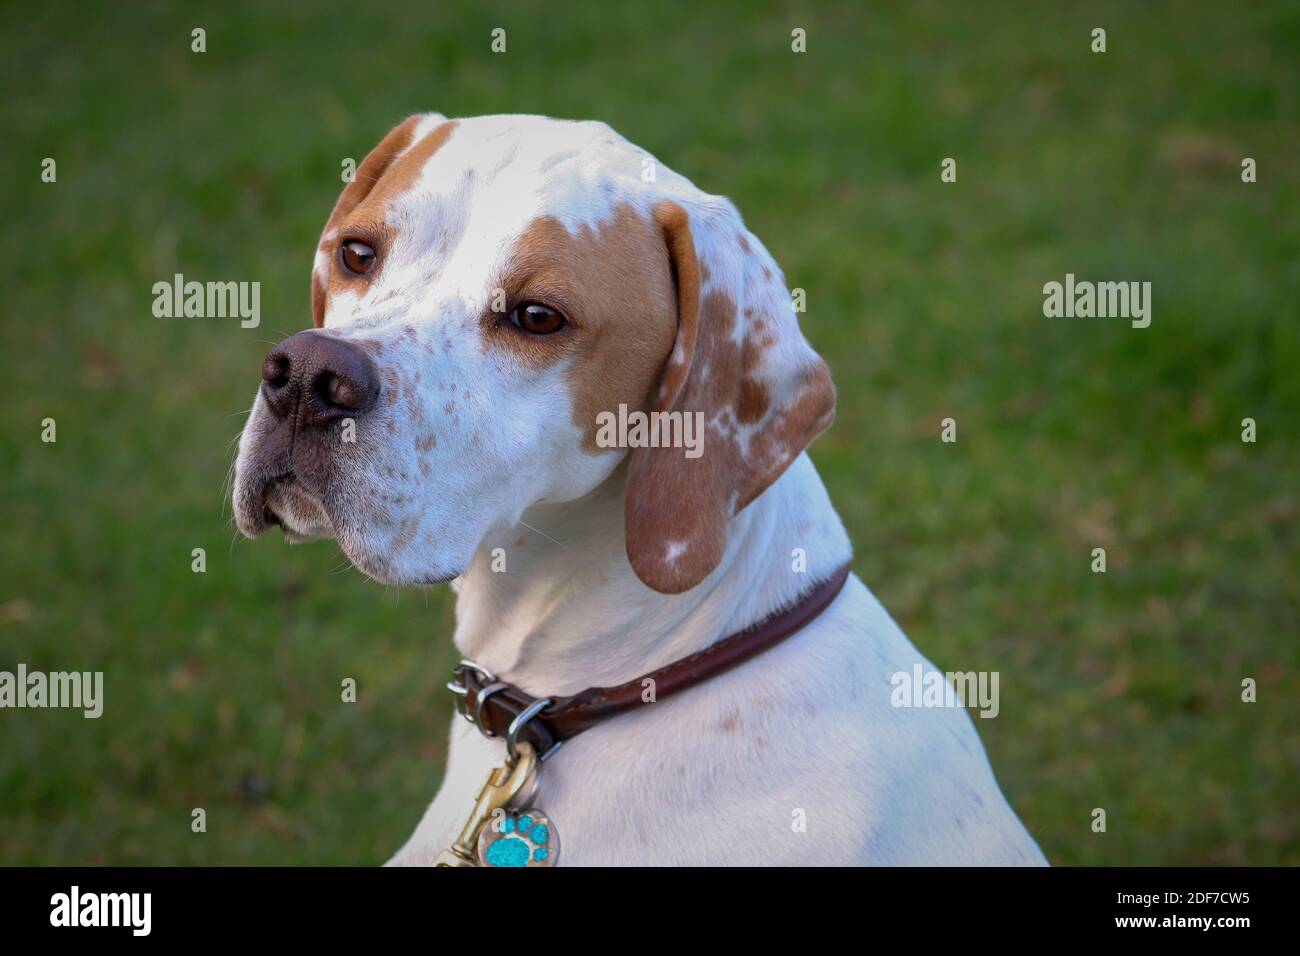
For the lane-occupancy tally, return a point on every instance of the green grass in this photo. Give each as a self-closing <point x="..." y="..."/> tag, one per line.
<point x="1119" y="691"/>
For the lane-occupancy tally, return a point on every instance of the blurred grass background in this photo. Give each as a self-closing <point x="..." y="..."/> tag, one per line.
<point x="1119" y="691"/>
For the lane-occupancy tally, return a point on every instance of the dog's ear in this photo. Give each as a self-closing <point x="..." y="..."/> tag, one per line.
<point x="741" y="361"/>
<point x="380" y="159"/>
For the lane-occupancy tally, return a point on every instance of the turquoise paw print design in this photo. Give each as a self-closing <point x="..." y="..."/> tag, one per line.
<point x="519" y="839"/>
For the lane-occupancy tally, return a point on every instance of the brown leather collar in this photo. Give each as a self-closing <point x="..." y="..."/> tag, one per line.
<point x="493" y="705"/>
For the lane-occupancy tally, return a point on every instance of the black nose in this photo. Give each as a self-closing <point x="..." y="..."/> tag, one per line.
<point x="327" y="377"/>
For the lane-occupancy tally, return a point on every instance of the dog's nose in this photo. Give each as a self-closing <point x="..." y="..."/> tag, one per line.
<point x="328" y="377"/>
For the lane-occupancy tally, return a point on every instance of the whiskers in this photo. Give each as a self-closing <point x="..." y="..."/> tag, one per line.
<point x="228" y="485"/>
<point x="546" y="536"/>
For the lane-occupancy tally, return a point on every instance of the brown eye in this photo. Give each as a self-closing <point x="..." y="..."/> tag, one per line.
<point x="357" y="257"/>
<point x="537" y="319"/>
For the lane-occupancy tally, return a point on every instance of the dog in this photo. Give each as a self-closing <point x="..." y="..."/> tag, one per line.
<point x="485" y="291"/>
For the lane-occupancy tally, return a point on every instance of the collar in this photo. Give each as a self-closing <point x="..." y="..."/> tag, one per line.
<point x="499" y="708"/>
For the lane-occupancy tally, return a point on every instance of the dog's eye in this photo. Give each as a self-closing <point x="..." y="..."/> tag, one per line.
<point x="537" y="318"/>
<point x="357" y="257"/>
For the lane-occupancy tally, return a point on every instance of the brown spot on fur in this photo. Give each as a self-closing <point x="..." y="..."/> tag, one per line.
<point x="405" y="533"/>
<point x="361" y="210"/>
<point x="753" y="401"/>
<point x="677" y="508"/>
<point x="615" y="284"/>
<point x="318" y="297"/>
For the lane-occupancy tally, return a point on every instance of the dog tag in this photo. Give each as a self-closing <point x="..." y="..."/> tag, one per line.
<point x="519" y="839"/>
<point x="499" y="790"/>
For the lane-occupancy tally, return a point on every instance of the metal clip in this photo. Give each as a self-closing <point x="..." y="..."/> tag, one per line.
<point x="524" y="716"/>
<point x="498" y="792"/>
<point x="461" y="691"/>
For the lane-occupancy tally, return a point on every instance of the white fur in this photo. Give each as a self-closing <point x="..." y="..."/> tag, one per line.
<point x="717" y="774"/>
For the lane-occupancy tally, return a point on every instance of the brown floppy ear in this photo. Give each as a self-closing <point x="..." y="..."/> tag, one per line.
<point x="400" y="139"/>
<point x="742" y="362"/>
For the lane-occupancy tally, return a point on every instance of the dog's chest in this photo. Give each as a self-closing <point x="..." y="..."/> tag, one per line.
<point x="723" y="776"/>
<point x="795" y="758"/>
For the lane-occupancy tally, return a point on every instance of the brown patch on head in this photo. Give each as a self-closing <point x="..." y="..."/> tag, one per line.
<point x="761" y="407"/>
<point x="360" y="212"/>
<point x="615" y="285"/>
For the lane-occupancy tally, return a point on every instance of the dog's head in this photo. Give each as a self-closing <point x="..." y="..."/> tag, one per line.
<point x="483" y="290"/>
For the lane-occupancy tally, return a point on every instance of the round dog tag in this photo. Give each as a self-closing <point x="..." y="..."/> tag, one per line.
<point x="519" y="839"/>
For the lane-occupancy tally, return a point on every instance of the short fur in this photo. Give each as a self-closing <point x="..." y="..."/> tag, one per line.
<point x="617" y="562"/>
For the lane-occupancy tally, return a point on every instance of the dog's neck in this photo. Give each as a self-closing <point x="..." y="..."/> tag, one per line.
<point x="553" y="605"/>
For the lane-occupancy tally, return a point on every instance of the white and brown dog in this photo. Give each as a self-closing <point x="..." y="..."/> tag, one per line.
<point x="484" y="289"/>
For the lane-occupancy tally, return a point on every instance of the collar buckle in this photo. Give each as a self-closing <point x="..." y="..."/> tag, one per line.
<point x="487" y="686"/>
